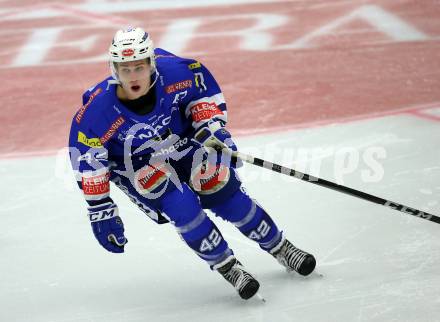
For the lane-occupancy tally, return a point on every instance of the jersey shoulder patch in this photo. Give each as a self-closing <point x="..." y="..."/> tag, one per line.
<point x="89" y="99"/>
<point x="95" y="100"/>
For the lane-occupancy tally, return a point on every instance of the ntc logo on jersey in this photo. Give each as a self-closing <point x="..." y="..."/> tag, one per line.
<point x="149" y="131"/>
<point x="96" y="185"/>
<point x="204" y="111"/>
<point x="127" y="52"/>
<point x="178" y="86"/>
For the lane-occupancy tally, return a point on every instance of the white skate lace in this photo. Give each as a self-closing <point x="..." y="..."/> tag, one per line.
<point x="291" y="257"/>
<point x="238" y="277"/>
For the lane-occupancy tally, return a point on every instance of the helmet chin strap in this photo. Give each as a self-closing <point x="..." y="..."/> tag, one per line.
<point x="156" y="73"/>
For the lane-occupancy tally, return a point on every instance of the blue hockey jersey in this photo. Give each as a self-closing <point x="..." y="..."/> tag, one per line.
<point x="104" y="131"/>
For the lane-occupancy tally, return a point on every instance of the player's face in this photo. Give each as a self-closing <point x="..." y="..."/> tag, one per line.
<point x="135" y="78"/>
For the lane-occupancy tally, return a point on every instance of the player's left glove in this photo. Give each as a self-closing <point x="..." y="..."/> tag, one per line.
<point x="108" y="227"/>
<point x="214" y="135"/>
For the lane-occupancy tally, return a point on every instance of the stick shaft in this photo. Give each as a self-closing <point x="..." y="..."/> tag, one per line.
<point x="331" y="185"/>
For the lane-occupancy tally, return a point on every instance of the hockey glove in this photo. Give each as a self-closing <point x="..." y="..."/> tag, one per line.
<point x="108" y="227"/>
<point x="214" y="135"/>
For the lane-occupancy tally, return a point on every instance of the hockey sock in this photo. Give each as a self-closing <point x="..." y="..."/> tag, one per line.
<point x="205" y="239"/>
<point x="194" y="226"/>
<point x="250" y="219"/>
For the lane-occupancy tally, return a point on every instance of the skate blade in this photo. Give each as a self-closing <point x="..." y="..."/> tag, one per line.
<point x="314" y="273"/>
<point x="260" y="297"/>
<point x="318" y="274"/>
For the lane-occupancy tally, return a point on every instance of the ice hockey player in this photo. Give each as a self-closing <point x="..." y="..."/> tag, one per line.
<point x="156" y="129"/>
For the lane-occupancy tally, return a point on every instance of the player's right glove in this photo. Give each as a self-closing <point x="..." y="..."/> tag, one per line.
<point x="108" y="227"/>
<point x="214" y="135"/>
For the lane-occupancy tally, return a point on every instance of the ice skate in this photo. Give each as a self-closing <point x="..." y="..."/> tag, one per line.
<point x="245" y="284"/>
<point x="294" y="259"/>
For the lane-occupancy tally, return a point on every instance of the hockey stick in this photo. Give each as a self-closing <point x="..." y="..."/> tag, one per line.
<point x="331" y="185"/>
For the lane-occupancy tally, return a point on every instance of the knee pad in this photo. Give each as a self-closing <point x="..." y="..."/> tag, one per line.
<point x="181" y="207"/>
<point x="235" y="207"/>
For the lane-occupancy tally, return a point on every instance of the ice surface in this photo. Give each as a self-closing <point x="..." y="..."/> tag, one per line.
<point x="378" y="264"/>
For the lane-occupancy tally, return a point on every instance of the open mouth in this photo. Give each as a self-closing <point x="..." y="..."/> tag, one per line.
<point x="135" y="88"/>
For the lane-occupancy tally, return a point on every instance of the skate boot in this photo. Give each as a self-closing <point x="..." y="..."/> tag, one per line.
<point x="294" y="259"/>
<point x="232" y="270"/>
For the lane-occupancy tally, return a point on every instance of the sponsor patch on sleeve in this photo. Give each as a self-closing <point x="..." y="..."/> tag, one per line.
<point x="96" y="185"/>
<point x="178" y="86"/>
<point x="91" y="142"/>
<point x="194" y="65"/>
<point x="83" y="109"/>
<point x="204" y="111"/>
<point x="112" y="130"/>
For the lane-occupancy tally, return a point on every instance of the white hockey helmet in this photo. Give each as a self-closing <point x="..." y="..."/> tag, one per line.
<point x="129" y="45"/>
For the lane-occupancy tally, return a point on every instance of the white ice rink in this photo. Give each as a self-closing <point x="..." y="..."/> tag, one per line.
<point x="377" y="264"/>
